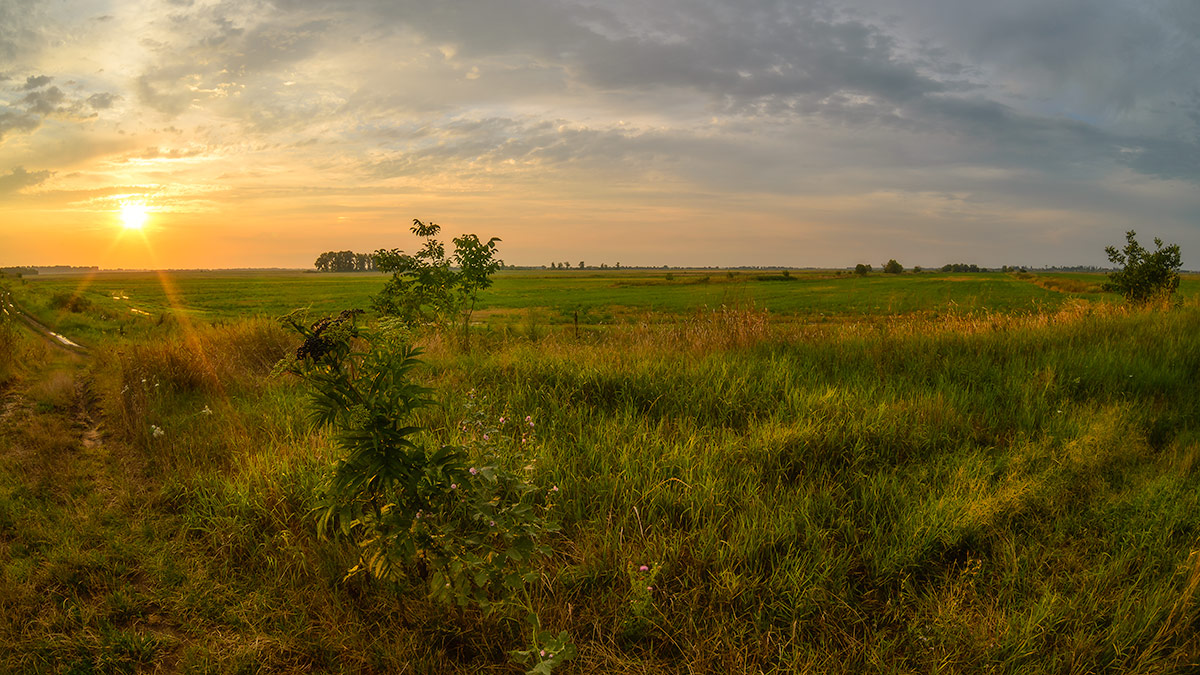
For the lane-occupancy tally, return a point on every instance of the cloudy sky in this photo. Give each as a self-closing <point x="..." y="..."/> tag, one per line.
<point x="701" y="132"/>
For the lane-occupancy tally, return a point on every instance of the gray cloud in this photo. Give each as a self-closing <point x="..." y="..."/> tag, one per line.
<point x="15" y="120"/>
<point x="37" y="82"/>
<point x="102" y="101"/>
<point x="44" y="102"/>
<point x="213" y="57"/>
<point x="19" y="179"/>
<point x="770" y="61"/>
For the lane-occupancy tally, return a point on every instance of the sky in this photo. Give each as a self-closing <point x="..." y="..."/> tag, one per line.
<point x="671" y="132"/>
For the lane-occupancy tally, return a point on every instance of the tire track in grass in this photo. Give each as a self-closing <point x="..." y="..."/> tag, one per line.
<point x="79" y="562"/>
<point x="59" y="341"/>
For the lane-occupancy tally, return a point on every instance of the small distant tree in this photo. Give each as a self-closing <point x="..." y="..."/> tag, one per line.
<point x="893" y="267"/>
<point x="580" y="264"/>
<point x="425" y="289"/>
<point x="861" y="269"/>
<point x="476" y="261"/>
<point x="1144" y="276"/>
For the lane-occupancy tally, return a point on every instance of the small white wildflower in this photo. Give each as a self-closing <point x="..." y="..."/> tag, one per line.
<point x="156" y="431"/>
<point x="206" y="411"/>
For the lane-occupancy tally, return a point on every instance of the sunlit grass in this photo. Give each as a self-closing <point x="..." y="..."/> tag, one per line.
<point x="972" y="491"/>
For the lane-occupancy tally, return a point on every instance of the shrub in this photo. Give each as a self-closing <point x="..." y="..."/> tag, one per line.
<point x="893" y="267"/>
<point x="1144" y="276"/>
<point x="467" y="531"/>
<point x="72" y="302"/>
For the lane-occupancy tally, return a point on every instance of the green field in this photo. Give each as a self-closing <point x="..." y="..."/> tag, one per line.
<point x="916" y="473"/>
<point x="130" y="301"/>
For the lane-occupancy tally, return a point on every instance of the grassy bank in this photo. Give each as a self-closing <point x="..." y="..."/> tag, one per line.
<point x="968" y="492"/>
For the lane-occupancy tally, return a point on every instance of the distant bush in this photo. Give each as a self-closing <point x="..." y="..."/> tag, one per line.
<point x="862" y="270"/>
<point x="893" y="267"/>
<point x="72" y="302"/>
<point x="1144" y="276"/>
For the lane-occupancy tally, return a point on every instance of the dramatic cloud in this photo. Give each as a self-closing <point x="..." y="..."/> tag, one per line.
<point x="1030" y="131"/>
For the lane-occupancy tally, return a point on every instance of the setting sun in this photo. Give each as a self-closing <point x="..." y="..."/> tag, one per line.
<point x="133" y="215"/>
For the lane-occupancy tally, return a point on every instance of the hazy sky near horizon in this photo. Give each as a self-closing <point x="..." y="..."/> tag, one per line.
<point x="705" y="132"/>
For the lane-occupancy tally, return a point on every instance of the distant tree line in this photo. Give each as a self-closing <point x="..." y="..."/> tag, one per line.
<point x="345" y="261"/>
<point x="962" y="267"/>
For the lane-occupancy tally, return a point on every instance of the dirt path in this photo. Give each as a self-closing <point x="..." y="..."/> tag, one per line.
<point x="60" y="341"/>
<point x="81" y="562"/>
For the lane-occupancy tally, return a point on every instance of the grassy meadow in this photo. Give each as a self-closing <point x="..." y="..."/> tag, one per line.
<point x="828" y="474"/>
<point x="129" y="301"/>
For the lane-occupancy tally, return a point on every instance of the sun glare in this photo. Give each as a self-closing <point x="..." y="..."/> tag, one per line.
<point x="133" y="215"/>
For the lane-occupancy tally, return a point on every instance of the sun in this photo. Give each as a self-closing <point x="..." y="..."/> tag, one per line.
<point x="133" y="215"/>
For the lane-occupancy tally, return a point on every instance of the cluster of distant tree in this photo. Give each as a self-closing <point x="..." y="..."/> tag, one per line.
<point x="345" y="261"/>
<point x="962" y="267"/>
<point x="582" y="266"/>
<point x="1075" y="268"/>
<point x="48" y="269"/>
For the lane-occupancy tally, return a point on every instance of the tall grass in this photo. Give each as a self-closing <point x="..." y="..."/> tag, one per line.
<point x="960" y="493"/>
<point x="828" y="490"/>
